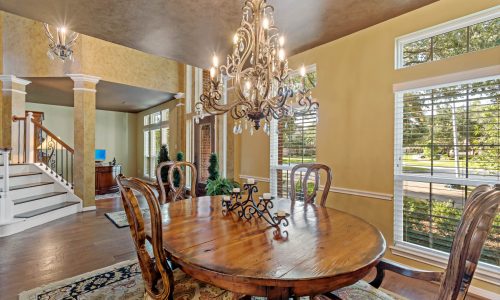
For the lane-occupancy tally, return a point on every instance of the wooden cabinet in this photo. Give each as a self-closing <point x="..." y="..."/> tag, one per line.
<point x="105" y="182"/>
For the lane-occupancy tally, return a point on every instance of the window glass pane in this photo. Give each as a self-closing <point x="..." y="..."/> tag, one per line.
<point x="449" y="132"/>
<point x="146" y="153"/>
<point x="455" y="42"/>
<point x="453" y="131"/>
<point x="164" y="115"/>
<point x="164" y="136"/>
<point x="485" y="35"/>
<point x="155" y="118"/>
<point x="432" y="212"/>
<point x="155" y="149"/>
<point x="449" y="44"/>
<point x="146" y="120"/>
<point x="417" y="52"/>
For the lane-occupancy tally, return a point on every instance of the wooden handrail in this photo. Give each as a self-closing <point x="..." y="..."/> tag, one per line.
<point x="53" y="136"/>
<point x="16" y="118"/>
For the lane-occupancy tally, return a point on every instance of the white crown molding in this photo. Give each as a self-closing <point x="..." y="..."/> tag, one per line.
<point x="14" y="79"/>
<point x="84" y="78"/>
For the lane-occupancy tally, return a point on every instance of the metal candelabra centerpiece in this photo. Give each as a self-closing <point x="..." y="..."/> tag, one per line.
<point x="251" y="208"/>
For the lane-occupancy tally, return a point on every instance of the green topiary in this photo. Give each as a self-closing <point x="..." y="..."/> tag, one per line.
<point x="213" y="168"/>
<point x="220" y="186"/>
<point x="162" y="157"/>
<point x="177" y="175"/>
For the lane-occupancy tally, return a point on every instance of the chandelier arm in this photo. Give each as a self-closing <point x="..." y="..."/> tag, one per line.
<point x="48" y="33"/>
<point x="73" y="40"/>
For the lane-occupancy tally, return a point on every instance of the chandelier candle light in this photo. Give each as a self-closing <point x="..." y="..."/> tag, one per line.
<point x="61" y="42"/>
<point x="259" y="72"/>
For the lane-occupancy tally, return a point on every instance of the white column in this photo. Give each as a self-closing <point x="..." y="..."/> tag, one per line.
<point x="30" y="139"/>
<point x="14" y="104"/>
<point x="5" y="203"/>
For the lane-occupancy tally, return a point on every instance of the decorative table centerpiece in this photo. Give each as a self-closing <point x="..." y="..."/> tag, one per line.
<point x="251" y="208"/>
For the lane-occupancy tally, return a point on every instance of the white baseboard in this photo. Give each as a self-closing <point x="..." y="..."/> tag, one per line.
<point x="89" y="208"/>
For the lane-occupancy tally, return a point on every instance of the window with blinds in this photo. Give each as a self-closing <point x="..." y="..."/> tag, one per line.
<point x="293" y="141"/>
<point x="447" y="142"/>
<point x="156" y="133"/>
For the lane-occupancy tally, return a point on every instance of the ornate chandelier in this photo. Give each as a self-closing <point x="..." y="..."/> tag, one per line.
<point x="259" y="72"/>
<point x="60" y="43"/>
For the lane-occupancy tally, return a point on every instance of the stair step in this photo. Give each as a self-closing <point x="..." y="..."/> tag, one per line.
<point x="28" y="185"/>
<point x="38" y="197"/>
<point x="22" y="174"/>
<point x="36" y="212"/>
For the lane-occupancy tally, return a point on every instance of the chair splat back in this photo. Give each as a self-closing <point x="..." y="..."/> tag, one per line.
<point x="164" y="197"/>
<point x="477" y="220"/>
<point x="311" y="168"/>
<point x="157" y="274"/>
<point x="177" y="192"/>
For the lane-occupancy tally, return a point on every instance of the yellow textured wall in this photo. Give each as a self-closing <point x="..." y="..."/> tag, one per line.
<point x="25" y="54"/>
<point x="355" y="132"/>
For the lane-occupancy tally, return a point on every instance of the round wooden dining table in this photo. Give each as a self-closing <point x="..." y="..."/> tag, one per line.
<point x="322" y="249"/>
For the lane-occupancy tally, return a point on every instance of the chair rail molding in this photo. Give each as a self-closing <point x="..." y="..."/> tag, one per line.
<point x="338" y="190"/>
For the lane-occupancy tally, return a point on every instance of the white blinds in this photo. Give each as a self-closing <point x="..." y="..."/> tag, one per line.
<point x="293" y="141"/>
<point x="447" y="142"/>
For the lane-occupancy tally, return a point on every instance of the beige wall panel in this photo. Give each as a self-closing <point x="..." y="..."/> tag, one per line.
<point x="120" y="64"/>
<point x="25" y="50"/>
<point x="355" y="132"/>
<point x="116" y="132"/>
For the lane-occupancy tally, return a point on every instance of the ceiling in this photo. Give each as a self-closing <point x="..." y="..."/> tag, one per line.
<point x="109" y="96"/>
<point x="191" y="31"/>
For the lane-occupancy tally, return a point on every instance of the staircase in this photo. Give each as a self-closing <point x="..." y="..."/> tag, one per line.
<point x="35" y="192"/>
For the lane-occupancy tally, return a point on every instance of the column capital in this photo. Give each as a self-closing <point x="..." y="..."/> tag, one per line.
<point x="84" y="78"/>
<point x="84" y="83"/>
<point x="14" y="79"/>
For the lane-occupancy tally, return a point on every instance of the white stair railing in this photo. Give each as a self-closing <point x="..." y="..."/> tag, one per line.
<point x="5" y="203"/>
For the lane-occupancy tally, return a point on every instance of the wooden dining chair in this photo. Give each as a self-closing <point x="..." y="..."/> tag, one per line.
<point x="160" y="281"/>
<point x="310" y="168"/>
<point x="477" y="220"/>
<point x="179" y="193"/>
<point x="164" y="188"/>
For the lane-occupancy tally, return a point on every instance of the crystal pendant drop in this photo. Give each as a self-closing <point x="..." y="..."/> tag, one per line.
<point x="251" y="130"/>
<point x="246" y="125"/>
<point x="242" y="47"/>
<point x="197" y="120"/>
<point x="240" y="129"/>
<point x="235" y="129"/>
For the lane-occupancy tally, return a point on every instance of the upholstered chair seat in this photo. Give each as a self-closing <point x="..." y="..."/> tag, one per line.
<point x="363" y="290"/>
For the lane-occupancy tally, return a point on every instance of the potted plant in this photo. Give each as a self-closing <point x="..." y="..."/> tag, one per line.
<point x="177" y="175"/>
<point x="217" y="185"/>
<point x="163" y="157"/>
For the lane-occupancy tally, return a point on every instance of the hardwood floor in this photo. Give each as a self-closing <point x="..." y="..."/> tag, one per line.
<point x="87" y="241"/>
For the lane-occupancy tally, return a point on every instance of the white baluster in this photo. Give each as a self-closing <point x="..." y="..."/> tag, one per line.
<point x="30" y="139"/>
<point x="5" y="202"/>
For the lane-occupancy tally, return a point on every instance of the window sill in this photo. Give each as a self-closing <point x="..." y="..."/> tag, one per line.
<point x="485" y="272"/>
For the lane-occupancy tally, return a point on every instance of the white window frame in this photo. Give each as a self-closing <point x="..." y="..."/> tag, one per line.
<point x="479" y="17"/>
<point x="273" y="140"/>
<point x="487" y="272"/>
<point x="150" y="128"/>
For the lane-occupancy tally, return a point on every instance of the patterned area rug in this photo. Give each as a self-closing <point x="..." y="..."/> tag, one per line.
<point x="120" y="281"/>
<point x="119" y="218"/>
<point x="107" y="196"/>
